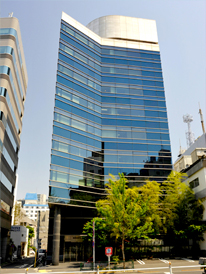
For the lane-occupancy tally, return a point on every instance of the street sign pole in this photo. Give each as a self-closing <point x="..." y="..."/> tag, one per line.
<point x="108" y="253"/>
<point x="109" y="261"/>
<point x="93" y="244"/>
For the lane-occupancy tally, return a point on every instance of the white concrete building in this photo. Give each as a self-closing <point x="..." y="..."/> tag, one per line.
<point x="20" y="235"/>
<point x="193" y="162"/>
<point x="35" y="203"/>
<point x="36" y="208"/>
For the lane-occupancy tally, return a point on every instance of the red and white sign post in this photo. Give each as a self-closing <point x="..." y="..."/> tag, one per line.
<point x="108" y="253"/>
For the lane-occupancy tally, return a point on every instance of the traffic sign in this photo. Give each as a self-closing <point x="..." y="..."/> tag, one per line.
<point x="108" y="251"/>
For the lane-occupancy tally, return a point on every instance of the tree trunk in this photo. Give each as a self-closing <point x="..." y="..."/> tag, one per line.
<point x="115" y="247"/>
<point x="123" y="255"/>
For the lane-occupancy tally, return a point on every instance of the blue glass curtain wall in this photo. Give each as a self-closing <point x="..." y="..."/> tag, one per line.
<point x="110" y="117"/>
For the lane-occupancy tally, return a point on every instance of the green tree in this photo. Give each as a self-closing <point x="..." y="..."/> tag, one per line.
<point x="150" y="193"/>
<point x="31" y="234"/>
<point x="17" y="213"/>
<point x="125" y="212"/>
<point x="172" y="191"/>
<point x="181" y="212"/>
<point x="102" y="233"/>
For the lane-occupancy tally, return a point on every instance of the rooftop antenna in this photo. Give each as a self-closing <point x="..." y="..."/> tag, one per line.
<point x="201" y="118"/>
<point x="189" y="135"/>
<point x="181" y="151"/>
<point x="11" y="14"/>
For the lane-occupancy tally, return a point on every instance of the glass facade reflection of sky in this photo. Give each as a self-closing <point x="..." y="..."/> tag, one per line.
<point x="110" y="117"/>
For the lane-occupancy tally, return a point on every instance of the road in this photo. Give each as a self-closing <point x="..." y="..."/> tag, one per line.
<point x="143" y="266"/>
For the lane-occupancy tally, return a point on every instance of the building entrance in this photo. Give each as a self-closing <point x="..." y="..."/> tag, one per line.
<point x="73" y="252"/>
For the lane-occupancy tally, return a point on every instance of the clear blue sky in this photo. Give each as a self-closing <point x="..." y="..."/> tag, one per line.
<point x="181" y="31"/>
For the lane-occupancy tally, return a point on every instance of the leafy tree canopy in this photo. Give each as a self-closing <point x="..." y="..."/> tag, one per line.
<point x="125" y="211"/>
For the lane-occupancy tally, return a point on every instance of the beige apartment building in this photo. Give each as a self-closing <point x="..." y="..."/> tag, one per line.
<point x="13" y="85"/>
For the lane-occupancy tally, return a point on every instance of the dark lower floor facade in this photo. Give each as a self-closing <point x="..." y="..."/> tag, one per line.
<point x="5" y="225"/>
<point x="65" y="239"/>
<point x="70" y="251"/>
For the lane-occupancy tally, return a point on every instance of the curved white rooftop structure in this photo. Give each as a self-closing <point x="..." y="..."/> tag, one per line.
<point x="126" y="28"/>
<point x="119" y="31"/>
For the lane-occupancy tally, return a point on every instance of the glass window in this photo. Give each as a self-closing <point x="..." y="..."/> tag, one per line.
<point x="122" y="90"/>
<point x="59" y="192"/>
<point x="79" y="112"/>
<point x="62" y="119"/>
<point x="125" y="159"/>
<point x="76" y="165"/>
<point x="90" y="105"/>
<point x="78" y="125"/>
<point x="137" y="112"/>
<point x="78" y="137"/>
<point x="109" y="133"/>
<point x="121" y="122"/>
<point x="75" y="99"/>
<point x="108" y="145"/>
<point x="123" y="101"/>
<point x="156" y="136"/>
<point x="80" y="78"/>
<point x="6" y="182"/>
<point x="60" y="161"/>
<point x="63" y="93"/>
<point x="135" y="72"/>
<point x="66" y="49"/>
<point x="194" y="183"/>
<point x="60" y="146"/>
<point x="140" y="147"/>
<point x="108" y="100"/>
<point x="150" y="103"/>
<point x="108" y="60"/>
<point x="62" y="105"/>
<point x="61" y="132"/>
<point x="122" y="111"/>
<point x="109" y="122"/>
<point x="67" y="29"/>
<point x="153" y="124"/>
<point x="139" y="135"/>
<point x="110" y="158"/>
<point x="136" y="91"/>
<point x="124" y="146"/>
<point x="151" y="113"/>
<point x="162" y="114"/>
<point x="123" y="134"/>
<point x="97" y="131"/>
<point x="137" y="102"/>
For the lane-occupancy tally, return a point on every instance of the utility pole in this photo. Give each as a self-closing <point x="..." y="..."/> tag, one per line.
<point x="93" y="244"/>
<point x="201" y="118"/>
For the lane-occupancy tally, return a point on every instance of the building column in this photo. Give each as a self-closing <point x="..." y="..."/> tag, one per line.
<point x="4" y="243"/>
<point x="56" y="235"/>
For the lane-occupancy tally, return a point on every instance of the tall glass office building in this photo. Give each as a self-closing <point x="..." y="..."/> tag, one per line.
<point x="109" y="117"/>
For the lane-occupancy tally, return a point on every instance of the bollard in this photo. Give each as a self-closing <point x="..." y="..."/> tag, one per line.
<point x="26" y="270"/>
<point x="170" y="267"/>
<point x="35" y="259"/>
<point x="97" y="269"/>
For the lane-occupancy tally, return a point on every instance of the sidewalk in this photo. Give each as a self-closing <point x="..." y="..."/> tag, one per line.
<point x="67" y="266"/>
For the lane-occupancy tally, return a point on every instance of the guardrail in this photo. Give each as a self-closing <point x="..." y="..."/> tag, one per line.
<point x="97" y="271"/>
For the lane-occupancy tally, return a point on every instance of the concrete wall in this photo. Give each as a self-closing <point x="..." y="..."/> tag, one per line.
<point x="19" y="235"/>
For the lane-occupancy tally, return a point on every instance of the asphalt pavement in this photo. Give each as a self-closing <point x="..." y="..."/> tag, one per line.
<point x="140" y="266"/>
